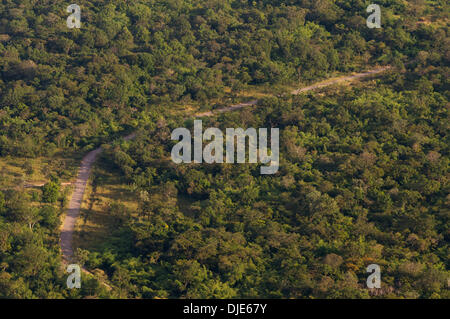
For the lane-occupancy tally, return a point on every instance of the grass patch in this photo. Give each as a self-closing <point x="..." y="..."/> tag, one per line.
<point x="98" y="227"/>
<point x="18" y="171"/>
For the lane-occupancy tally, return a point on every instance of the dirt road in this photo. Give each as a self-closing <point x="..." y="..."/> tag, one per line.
<point x="86" y="164"/>
<point x="342" y="79"/>
<point x="73" y="211"/>
<point x="302" y="90"/>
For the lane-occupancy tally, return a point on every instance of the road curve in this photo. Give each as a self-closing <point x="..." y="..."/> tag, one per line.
<point x="86" y="164"/>
<point x="73" y="210"/>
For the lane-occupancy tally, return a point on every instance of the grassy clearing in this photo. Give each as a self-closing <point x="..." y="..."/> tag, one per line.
<point x="95" y="229"/>
<point x="17" y="172"/>
<point x="248" y="93"/>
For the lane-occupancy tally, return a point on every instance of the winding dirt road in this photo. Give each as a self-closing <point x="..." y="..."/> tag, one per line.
<point x="73" y="211"/>
<point x="85" y="170"/>
<point x="302" y="90"/>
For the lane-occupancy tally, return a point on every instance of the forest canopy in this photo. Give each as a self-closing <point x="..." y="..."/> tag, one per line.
<point x="364" y="169"/>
